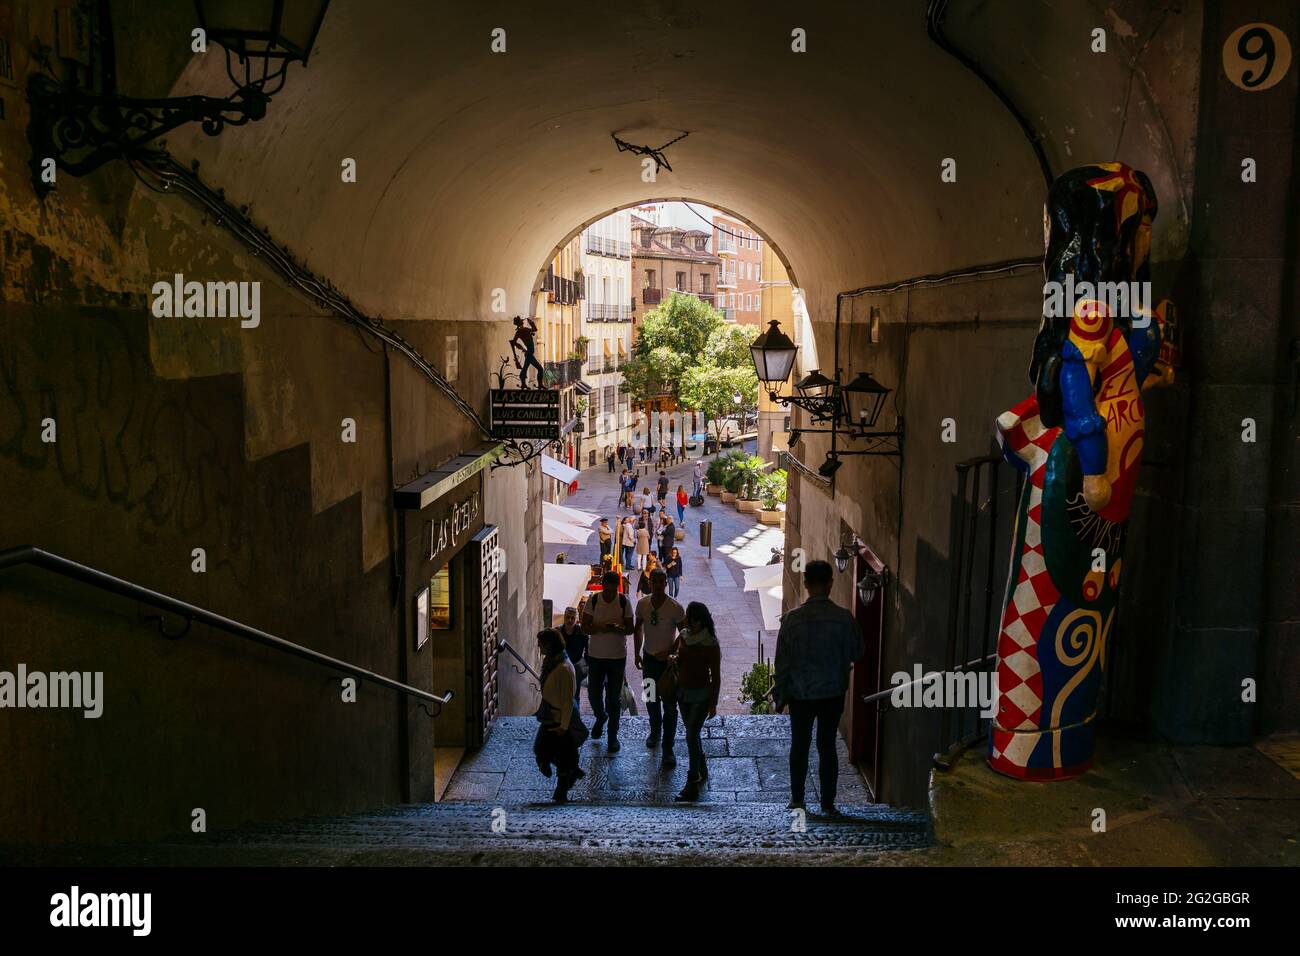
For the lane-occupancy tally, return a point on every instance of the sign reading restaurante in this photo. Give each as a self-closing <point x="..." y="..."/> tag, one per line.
<point x="526" y="413"/>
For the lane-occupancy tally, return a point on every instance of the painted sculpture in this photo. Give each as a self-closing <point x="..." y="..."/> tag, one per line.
<point x="1078" y="441"/>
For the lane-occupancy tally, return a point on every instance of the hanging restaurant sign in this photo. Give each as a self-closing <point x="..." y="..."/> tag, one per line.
<point x="526" y="413"/>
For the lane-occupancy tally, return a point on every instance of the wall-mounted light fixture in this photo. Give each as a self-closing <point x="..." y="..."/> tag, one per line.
<point x="868" y="585"/>
<point x="842" y="558"/>
<point x="851" y="410"/>
<point x="82" y="127"/>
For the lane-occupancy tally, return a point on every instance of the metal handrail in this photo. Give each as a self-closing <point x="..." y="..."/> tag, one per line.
<point x="959" y="669"/>
<point x="48" y="561"/>
<point x="504" y="645"/>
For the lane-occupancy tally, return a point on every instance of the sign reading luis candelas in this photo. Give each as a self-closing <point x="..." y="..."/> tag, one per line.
<point x="526" y="413"/>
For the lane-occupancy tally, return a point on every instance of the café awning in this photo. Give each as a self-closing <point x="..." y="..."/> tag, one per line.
<point x="563" y="532"/>
<point x="564" y="584"/>
<point x="766" y="580"/>
<point x="567" y="515"/>
<point x="554" y="468"/>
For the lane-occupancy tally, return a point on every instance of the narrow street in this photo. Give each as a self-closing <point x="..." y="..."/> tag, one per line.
<point x="739" y="542"/>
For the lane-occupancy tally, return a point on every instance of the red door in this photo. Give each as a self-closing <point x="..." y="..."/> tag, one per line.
<point x="864" y="719"/>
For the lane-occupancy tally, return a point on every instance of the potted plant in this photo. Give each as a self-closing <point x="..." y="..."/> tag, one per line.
<point x="750" y="470"/>
<point x="732" y="476"/>
<point x="755" y="686"/>
<point x="772" y="491"/>
<point x="716" y="474"/>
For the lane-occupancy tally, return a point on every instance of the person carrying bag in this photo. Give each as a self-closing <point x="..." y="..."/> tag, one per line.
<point x="557" y="736"/>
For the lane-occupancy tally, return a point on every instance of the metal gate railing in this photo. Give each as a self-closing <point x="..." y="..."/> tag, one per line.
<point x="980" y="538"/>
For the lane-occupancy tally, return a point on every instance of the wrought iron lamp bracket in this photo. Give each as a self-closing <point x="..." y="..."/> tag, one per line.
<point x="519" y="452"/>
<point x="82" y="131"/>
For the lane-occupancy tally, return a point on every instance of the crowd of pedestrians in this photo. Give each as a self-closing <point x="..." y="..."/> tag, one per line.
<point x="676" y="650"/>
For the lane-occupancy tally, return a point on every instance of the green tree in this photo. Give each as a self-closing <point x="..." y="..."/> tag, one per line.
<point x="670" y="339"/>
<point x="712" y="390"/>
<point x="683" y="323"/>
<point x="728" y="346"/>
<point x="657" y="370"/>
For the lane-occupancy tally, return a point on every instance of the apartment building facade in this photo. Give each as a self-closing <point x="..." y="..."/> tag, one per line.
<point x="740" y="270"/>
<point x="667" y="259"/>
<point x="776" y="294"/>
<point x="562" y="351"/>
<point x="606" y="310"/>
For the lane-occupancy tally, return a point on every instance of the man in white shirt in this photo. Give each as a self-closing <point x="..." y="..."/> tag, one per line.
<point x="607" y="621"/>
<point x="658" y="619"/>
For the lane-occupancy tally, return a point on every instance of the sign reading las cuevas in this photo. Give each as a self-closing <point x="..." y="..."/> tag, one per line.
<point x="525" y="413"/>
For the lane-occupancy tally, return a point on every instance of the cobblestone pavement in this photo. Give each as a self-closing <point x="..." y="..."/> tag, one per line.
<point x="739" y="542"/>
<point x="748" y="761"/>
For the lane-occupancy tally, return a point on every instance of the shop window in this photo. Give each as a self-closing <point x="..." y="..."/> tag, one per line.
<point x="440" y="601"/>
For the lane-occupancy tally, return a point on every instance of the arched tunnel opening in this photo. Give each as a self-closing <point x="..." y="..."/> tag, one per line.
<point x="315" y="399"/>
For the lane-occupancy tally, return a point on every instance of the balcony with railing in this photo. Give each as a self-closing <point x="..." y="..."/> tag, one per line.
<point x="608" y="312"/>
<point x="561" y="290"/>
<point x="614" y="248"/>
<point x="728" y="314"/>
<point x="726" y="280"/>
<point x="561" y="374"/>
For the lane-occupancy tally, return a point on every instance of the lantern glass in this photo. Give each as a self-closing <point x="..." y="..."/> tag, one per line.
<point x="269" y="29"/>
<point x="867" y="587"/>
<point x="864" y="398"/>
<point x="842" y="559"/>
<point x="774" y="354"/>
<point x="814" y="385"/>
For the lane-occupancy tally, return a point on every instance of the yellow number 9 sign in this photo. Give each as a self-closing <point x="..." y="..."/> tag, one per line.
<point x="1256" y="56"/>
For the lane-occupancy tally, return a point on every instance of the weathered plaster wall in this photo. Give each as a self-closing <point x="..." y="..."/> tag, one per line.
<point x="182" y="433"/>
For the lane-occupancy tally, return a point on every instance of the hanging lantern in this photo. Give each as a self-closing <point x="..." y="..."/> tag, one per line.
<point x="774" y="354"/>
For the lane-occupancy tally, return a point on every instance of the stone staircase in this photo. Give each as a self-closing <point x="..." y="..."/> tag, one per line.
<point x="499" y="813"/>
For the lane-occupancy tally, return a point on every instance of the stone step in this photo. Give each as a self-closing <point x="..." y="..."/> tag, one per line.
<point x="713" y="832"/>
<point x="534" y="834"/>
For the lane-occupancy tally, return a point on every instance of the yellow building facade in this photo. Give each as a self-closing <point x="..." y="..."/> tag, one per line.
<point x="776" y="298"/>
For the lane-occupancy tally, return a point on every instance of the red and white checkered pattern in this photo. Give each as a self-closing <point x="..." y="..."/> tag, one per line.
<point x="1020" y="682"/>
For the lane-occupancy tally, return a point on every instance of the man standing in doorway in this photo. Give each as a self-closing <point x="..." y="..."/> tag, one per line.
<point x="607" y="621"/>
<point x="658" y="618"/>
<point x="815" y="648"/>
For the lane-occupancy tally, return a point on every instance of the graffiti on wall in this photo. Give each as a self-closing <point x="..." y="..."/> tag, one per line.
<point x="156" y="449"/>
